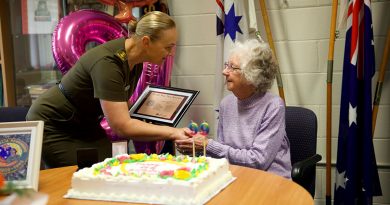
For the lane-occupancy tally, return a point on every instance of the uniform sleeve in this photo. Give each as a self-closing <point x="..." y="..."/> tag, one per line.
<point x="109" y="80"/>
<point x="268" y="139"/>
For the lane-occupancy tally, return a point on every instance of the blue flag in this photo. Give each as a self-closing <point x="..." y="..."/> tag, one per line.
<point x="236" y="21"/>
<point x="357" y="179"/>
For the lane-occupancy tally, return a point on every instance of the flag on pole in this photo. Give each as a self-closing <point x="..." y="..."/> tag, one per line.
<point x="343" y="15"/>
<point x="357" y="179"/>
<point x="236" y="21"/>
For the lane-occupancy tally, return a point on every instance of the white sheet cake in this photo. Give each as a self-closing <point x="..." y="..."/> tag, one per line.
<point x="157" y="179"/>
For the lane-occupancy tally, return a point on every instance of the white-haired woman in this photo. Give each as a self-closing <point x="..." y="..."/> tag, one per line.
<point x="251" y="128"/>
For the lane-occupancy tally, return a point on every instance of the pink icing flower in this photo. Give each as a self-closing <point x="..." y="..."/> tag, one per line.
<point x="122" y="158"/>
<point x="162" y="158"/>
<point x="184" y="168"/>
<point x="166" y="173"/>
<point x="105" y="171"/>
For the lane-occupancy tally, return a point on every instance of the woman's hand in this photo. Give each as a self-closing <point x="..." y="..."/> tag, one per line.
<point x="124" y="126"/>
<point x="180" y="134"/>
<point x="185" y="146"/>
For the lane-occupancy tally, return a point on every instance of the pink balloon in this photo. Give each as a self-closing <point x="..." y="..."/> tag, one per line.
<point x="76" y="30"/>
<point x="79" y="28"/>
<point x="109" y="132"/>
<point x="152" y="74"/>
<point x="149" y="147"/>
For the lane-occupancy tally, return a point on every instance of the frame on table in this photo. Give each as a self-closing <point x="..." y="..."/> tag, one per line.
<point x="20" y="153"/>
<point x="163" y="105"/>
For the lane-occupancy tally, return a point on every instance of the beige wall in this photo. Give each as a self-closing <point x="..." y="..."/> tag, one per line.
<point x="301" y="32"/>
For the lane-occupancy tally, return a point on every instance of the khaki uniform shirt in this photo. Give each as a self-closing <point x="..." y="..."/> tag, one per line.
<point x="73" y="121"/>
<point x="101" y="74"/>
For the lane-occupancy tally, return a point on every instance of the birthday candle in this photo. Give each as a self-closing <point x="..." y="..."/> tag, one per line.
<point x="194" y="129"/>
<point x="204" y="130"/>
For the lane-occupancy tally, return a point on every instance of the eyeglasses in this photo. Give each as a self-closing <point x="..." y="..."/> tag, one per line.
<point x="230" y="67"/>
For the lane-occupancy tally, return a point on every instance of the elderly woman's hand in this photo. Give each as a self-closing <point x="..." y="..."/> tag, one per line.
<point x="185" y="146"/>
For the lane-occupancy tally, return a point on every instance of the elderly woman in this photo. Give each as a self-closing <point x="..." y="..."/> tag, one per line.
<point x="251" y="128"/>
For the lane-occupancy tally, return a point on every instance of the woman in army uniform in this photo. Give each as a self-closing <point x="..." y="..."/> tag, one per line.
<point x="100" y="84"/>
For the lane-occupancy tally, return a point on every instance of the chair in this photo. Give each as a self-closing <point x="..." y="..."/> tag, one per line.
<point x="13" y="114"/>
<point x="301" y="129"/>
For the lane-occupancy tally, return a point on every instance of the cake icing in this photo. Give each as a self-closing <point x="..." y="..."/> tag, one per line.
<point x="157" y="179"/>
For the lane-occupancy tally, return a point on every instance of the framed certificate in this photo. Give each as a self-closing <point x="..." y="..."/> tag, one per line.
<point x="163" y="105"/>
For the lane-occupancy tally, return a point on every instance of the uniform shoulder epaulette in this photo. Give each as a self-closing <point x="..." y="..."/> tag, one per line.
<point x="121" y="54"/>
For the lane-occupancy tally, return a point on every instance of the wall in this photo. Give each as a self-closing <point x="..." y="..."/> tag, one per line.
<point x="301" y="32"/>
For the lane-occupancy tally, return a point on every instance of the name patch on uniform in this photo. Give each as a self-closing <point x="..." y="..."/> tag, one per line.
<point x="121" y="54"/>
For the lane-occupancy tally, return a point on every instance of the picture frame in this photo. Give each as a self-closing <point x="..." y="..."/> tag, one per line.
<point x="39" y="16"/>
<point x="20" y="153"/>
<point x="75" y="5"/>
<point x="163" y="105"/>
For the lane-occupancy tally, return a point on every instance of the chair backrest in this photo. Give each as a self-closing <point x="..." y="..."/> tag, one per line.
<point x="13" y="114"/>
<point x="301" y="129"/>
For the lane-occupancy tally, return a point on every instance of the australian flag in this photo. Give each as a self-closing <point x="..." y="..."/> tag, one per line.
<point x="357" y="179"/>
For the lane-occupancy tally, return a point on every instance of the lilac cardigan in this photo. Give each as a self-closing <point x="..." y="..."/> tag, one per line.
<point x="251" y="132"/>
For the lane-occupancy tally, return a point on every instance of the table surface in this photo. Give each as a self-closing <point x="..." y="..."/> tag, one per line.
<point x="252" y="186"/>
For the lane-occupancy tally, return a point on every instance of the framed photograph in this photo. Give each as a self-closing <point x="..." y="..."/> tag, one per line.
<point x="75" y="5"/>
<point x="39" y="16"/>
<point x="20" y="153"/>
<point x="163" y="105"/>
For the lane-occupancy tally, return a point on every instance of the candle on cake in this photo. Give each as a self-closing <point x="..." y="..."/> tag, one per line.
<point x="193" y="126"/>
<point x="204" y="130"/>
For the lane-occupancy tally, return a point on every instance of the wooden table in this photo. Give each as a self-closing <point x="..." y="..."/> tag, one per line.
<point x="252" y="186"/>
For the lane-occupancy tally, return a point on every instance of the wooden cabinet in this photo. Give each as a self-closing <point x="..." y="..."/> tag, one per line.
<point x="6" y="56"/>
<point x="28" y="67"/>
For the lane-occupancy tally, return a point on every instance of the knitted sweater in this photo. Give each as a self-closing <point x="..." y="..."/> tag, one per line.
<point x="251" y="132"/>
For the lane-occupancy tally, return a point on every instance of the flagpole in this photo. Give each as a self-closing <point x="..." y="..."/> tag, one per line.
<point x="378" y="89"/>
<point x="328" y="195"/>
<point x="271" y="44"/>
